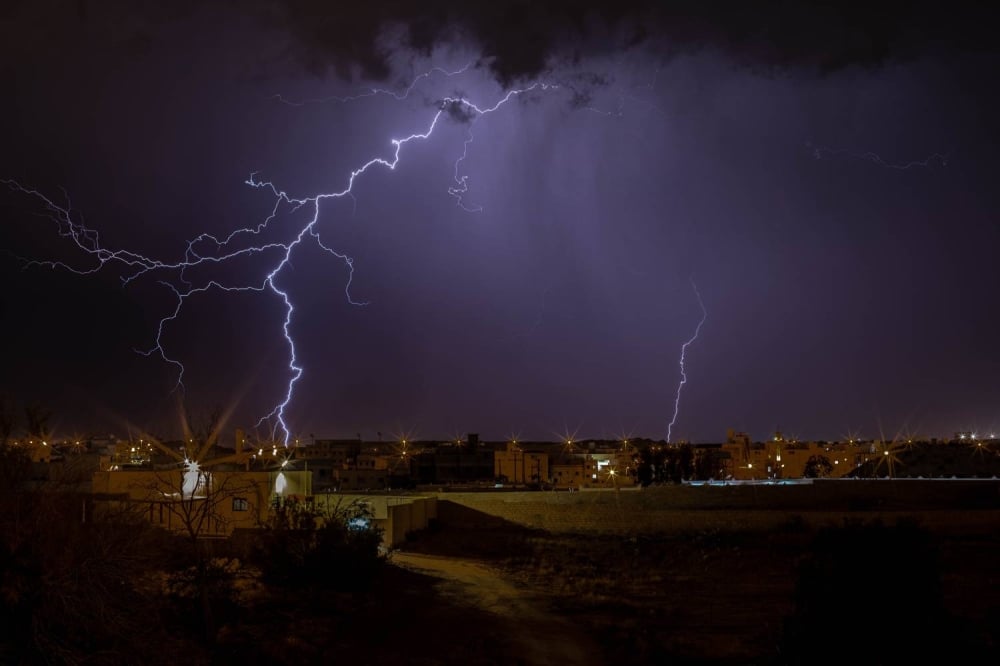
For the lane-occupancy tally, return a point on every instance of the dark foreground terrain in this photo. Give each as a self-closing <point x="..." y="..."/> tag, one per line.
<point x="875" y="573"/>
<point x="876" y="581"/>
<point x="871" y="592"/>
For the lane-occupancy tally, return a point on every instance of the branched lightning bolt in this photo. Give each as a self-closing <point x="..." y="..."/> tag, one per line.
<point x="461" y="187"/>
<point x="926" y="163"/>
<point x="680" y="385"/>
<point x="207" y="249"/>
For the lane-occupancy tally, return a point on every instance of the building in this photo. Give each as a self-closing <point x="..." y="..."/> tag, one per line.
<point x="455" y="463"/>
<point x="518" y="466"/>
<point x="200" y="502"/>
<point x="781" y="458"/>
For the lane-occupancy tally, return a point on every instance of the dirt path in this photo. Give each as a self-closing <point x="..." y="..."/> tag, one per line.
<point x="544" y="638"/>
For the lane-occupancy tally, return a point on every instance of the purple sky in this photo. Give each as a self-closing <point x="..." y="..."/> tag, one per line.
<point x="843" y="292"/>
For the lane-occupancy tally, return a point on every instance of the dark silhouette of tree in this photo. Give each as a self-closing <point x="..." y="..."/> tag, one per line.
<point x="203" y="429"/>
<point x="15" y="468"/>
<point x="818" y="467"/>
<point x="668" y="466"/>
<point x="332" y="547"/>
<point x="70" y="580"/>
<point x="193" y="494"/>
<point x="647" y="467"/>
<point x="683" y="463"/>
<point x="708" y="465"/>
<point x="659" y="463"/>
<point x="8" y="419"/>
<point x="36" y="420"/>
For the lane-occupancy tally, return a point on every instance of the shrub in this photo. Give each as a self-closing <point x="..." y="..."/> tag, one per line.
<point x="879" y="584"/>
<point x="333" y="548"/>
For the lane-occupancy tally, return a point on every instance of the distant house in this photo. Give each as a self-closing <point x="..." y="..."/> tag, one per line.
<point x="519" y="466"/>
<point x="781" y="458"/>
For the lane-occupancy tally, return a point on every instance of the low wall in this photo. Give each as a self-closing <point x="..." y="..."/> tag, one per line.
<point x="940" y="504"/>
<point x="395" y="515"/>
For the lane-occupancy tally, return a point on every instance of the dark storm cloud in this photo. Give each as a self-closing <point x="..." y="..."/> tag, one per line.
<point x="458" y="112"/>
<point x="521" y="36"/>
<point x="833" y="282"/>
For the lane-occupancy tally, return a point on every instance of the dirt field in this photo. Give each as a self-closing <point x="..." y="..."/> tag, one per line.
<point x="779" y="587"/>
<point x="737" y="577"/>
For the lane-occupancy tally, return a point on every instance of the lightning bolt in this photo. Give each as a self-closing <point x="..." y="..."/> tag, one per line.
<point x="206" y="250"/>
<point x="934" y="158"/>
<point x="680" y="385"/>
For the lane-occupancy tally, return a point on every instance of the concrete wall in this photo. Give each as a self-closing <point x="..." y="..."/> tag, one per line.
<point x="395" y="515"/>
<point x="746" y="507"/>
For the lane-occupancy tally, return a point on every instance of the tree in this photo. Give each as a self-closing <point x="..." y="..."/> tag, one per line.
<point x="7" y="419"/>
<point x="70" y="580"/>
<point x="15" y="468"/>
<point x="334" y="546"/>
<point x="194" y="494"/>
<point x="644" y="468"/>
<point x="195" y="498"/>
<point x="36" y="419"/>
<point x="708" y="465"/>
<point x="685" y="463"/>
<point x="818" y="467"/>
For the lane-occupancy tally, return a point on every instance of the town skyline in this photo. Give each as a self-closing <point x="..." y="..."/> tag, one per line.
<point x="514" y="332"/>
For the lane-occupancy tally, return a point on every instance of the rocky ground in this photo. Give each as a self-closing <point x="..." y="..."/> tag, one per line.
<point x="866" y="573"/>
<point x="788" y="595"/>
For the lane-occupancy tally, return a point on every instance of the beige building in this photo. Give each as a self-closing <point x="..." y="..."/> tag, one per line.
<point x="780" y="458"/>
<point x="517" y="466"/>
<point x="201" y="502"/>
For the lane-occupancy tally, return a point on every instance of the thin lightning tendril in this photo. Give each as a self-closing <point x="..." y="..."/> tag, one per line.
<point x="206" y="249"/>
<point x="680" y="385"/>
<point x="934" y="158"/>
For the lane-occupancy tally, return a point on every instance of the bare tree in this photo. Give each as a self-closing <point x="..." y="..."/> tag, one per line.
<point x="8" y="419"/>
<point x="203" y="429"/>
<point x="196" y="498"/>
<point x="71" y="582"/>
<point x="36" y="419"/>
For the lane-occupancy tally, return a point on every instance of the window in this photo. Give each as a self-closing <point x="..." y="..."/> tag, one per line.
<point x="240" y="504"/>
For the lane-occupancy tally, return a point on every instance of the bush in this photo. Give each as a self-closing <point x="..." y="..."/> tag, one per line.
<point x="70" y="591"/>
<point x="334" y="548"/>
<point x="202" y="597"/>
<point x="868" y="593"/>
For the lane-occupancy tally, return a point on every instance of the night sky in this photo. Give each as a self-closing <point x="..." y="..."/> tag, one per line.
<point x="828" y="180"/>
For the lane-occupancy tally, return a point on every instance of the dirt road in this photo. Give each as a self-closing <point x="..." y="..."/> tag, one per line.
<point x="544" y="638"/>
